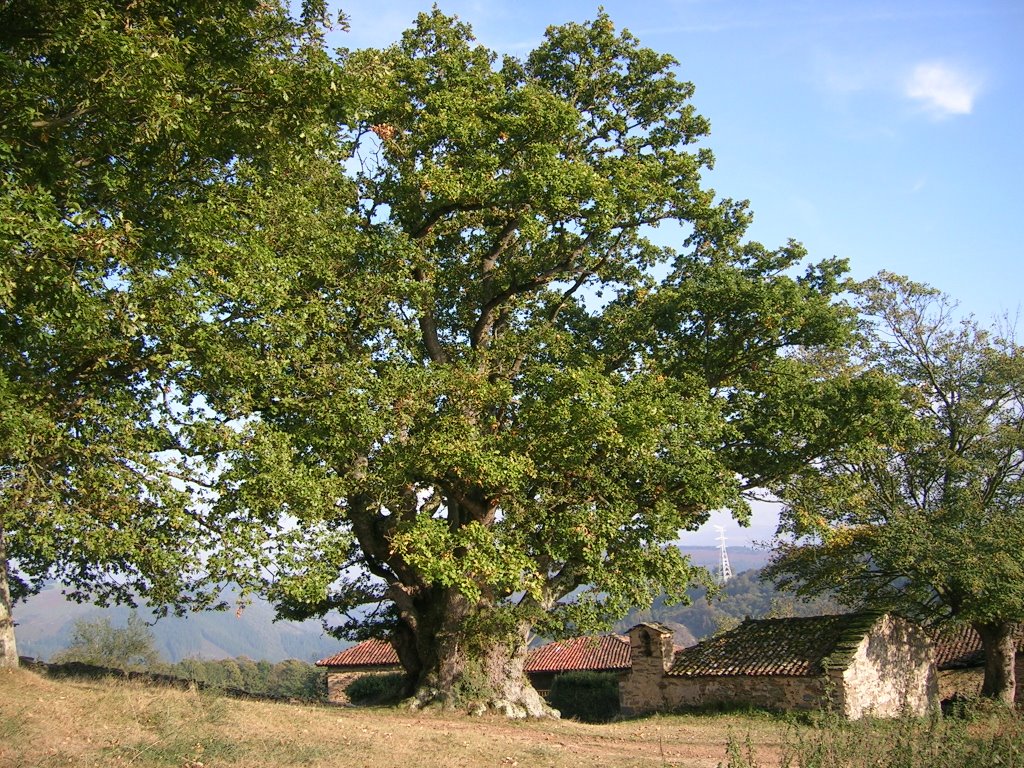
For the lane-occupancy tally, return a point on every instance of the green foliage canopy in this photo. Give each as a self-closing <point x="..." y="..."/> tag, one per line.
<point x="454" y="371"/>
<point x="124" y="129"/>
<point x="394" y="311"/>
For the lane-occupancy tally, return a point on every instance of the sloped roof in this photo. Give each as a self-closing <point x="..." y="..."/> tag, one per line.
<point x="593" y="654"/>
<point x="369" y="653"/>
<point x="960" y="647"/>
<point x="792" y="647"/>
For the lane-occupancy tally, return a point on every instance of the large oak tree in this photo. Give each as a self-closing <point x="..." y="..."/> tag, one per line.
<point x="448" y="382"/>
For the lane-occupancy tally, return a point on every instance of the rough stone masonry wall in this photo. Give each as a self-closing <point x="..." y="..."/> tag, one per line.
<point x="891" y="673"/>
<point x="651" y="654"/>
<point x="768" y="691"/>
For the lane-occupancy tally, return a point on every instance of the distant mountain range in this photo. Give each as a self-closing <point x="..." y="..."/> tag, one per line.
<point x="45" y="623"/>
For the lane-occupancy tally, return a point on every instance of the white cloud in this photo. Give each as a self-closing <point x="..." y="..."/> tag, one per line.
<point x="941" y="89"/>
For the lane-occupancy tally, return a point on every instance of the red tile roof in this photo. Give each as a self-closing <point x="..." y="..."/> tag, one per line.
<point x="790" y="647"/>
<point x="369" y="653"/>
<point x="593" y="654"/>
<point x="578" y="653"/>
<point x="960" y="647"/>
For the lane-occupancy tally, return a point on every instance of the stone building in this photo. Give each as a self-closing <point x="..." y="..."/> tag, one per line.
<point x="855" y="664"/>
<point x="370" y="657"/>
<point x="960" y="661"/>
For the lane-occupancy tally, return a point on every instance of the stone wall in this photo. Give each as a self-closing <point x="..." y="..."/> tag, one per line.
<point x="646" y="688"/>
<point x="651" y="653"/>
<point x="769" y="691"/>
<point x="891" y="673"/>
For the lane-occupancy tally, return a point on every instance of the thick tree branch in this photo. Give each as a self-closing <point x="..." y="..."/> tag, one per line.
<point x="436" y="215"/>
<point x="428" y="327"/>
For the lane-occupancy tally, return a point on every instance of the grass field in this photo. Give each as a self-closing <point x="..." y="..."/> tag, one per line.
<point x="86" y="722"/>
<point x="82" y="722"/>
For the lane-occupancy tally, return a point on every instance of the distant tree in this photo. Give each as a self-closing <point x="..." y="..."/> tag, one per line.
<point x="189" y="669"/>
<point x="232" y="674"/>
<point x="295" y="679"/>
<point x="291" y="678"/>
<point x="253" y="680"/>
<point x="100" y="643"/>
<point x="925" y="518"/>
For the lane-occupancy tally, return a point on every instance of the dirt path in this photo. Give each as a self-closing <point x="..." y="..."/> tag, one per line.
<point x="693" y="742"/>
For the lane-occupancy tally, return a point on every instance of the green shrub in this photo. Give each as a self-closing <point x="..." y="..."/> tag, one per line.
<point x="589" y="696"/>
<point x="100" y="644"/>
<point x="376" y="689"/>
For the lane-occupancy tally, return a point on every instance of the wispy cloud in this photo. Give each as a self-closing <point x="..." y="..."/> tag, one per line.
<point x="942" y="90"/>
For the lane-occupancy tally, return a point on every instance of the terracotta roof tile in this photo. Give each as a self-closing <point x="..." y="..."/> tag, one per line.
<point x="793" y="647"/>
<point x="960" y="647"/>
<point x="369" y="653"/>
<point x="596" y="654"/>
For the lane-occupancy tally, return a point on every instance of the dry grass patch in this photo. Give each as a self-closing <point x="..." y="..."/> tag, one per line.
<point x="60" y="722"/>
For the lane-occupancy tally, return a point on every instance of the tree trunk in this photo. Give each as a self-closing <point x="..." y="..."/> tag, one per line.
<point x="998" y="639"/>
<point x="8" y="647"/>
<point x="471" y="657"/>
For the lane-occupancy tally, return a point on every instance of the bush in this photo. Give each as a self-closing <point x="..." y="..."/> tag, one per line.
<point x="376" y="689"/>
<point x="592" y="697"/>
<point x="99" y="643"/>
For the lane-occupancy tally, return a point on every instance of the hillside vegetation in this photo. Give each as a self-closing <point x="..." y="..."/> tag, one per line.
<point x="746" y="595"/>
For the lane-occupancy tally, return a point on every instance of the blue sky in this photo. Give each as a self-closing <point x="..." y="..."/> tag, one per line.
<point x="887" y="133"/>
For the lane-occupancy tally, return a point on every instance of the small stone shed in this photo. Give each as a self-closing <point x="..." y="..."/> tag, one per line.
<point x="608" y="653"/>
<point x="370" y="657"/>
<point x="856" y="664"/>
<point x="960" y="661"/>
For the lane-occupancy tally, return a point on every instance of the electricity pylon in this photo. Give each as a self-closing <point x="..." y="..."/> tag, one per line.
<point x="724" y="570"/>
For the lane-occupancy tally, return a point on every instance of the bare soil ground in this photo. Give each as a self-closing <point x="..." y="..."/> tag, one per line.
<point x="80" y="722"/>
